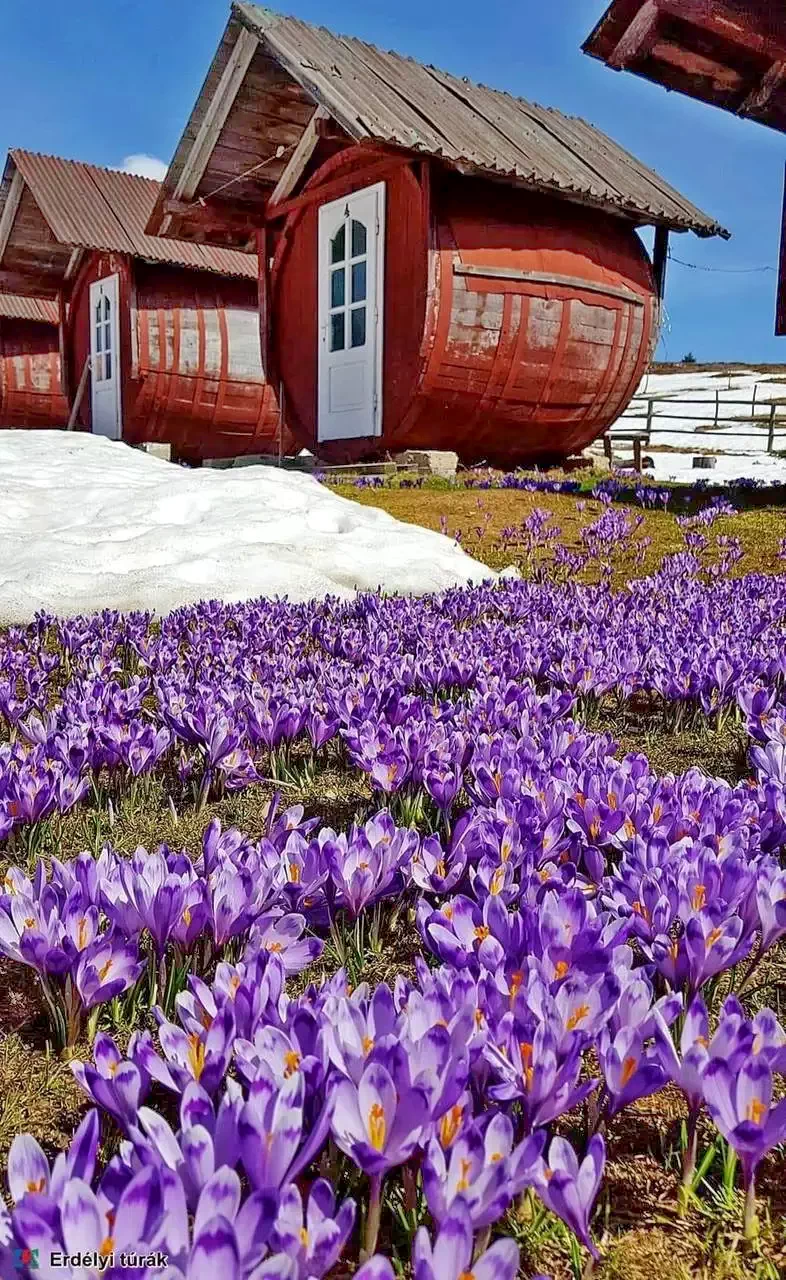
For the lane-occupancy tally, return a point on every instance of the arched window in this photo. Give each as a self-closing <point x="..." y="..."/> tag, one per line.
<point x="348" y="294"/>
<point x="103" y="339"/>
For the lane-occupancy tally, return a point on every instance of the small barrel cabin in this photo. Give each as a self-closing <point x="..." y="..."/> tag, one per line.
<point x="31" y="375"/>
<point x="154" y="341"/>
<point x="728" y="53"/>
<point x="442" y="266"/>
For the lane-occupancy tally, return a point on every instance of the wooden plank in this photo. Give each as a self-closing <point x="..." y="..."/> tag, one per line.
<point x="541" y="277"/>
<point x="263" y="296"/>
<point x="73" y="263"/>
<point x="27" y="286"/>
<point x="660" y="259"/>
<point x="638" y="40"/>
<point x="216" y="115"/>
<point x="762" y="95"/>
<point x="719" y="19"/>
<point x="780" y="321"/>
<point x="299" y="159"/>
<point x="10" y="210"/>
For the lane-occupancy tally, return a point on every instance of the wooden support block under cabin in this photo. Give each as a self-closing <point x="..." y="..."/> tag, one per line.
<point x="429" y="462"/>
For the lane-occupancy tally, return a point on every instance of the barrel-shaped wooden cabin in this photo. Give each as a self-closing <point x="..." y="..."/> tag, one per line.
<point x="31" y="383"/>
<point x="442" y="266"/>
<point x="156" y="341"/>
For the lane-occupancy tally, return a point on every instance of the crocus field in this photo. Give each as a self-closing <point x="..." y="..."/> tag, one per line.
<point x="402" y="936"/>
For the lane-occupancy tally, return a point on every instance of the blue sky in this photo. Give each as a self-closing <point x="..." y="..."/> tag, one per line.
<point x="100" y="82"/>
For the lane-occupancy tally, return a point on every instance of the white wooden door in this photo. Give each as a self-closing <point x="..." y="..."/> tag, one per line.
<point x="351" y="293"/>
<point x="105" y="357"/>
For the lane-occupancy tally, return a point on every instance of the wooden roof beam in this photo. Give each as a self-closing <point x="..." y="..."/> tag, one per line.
<point x="762" y="95"/>
<point x="216" y="115"/>
<point x="201" y="213"/>
<point x="299" y="159"/>
<point x="24" y="285"/>
<point x="639" y="38"/>
<point x="10" y="210"/>
<point x="715" y="17"/>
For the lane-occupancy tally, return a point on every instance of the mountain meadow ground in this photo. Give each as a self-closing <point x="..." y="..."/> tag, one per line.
<point x="438" y="937"/>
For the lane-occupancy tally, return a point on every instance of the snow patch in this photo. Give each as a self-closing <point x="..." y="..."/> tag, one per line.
<point x="88" y="524"/>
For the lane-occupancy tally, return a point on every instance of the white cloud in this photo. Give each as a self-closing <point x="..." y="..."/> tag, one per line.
<point x="145" y="166"/>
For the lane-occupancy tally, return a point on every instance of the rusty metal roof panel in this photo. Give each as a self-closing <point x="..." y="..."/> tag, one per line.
<point x="14" y="307"/>
<point x="398" y="101"/>
<point x="93" y="208"/>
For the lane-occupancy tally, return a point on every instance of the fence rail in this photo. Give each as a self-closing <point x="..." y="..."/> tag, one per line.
<point x="771" y="422"/>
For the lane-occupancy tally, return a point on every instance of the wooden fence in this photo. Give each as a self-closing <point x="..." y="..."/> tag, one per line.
<point x="643" y="409"/>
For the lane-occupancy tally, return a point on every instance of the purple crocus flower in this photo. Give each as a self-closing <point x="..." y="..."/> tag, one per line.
<point x="107" y="968"/>
<point x="450" y="1255"/>
<point x="271" y="1129"/>
<point x="202" y="1055"/>
<point x="280" y="933"/>
<point x="479" y="1167"/>
<point x="374" y="1125"/>
<point x="115" y="1083"/>
<point x="741" y="1104"/>
<point x="312" y="1235"/>
<point x="569" y="1189"/>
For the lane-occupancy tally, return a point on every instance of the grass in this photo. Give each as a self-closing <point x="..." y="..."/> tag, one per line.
<point x="642" y="1237"/>
<point x="759" y="531"/>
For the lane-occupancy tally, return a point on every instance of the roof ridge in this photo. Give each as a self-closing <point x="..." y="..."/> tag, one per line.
<point x="406" y="57"/>
<point x="85" y="164"/>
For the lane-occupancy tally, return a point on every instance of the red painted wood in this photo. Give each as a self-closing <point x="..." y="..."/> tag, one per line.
<point x="500" y="369"/>
<point x="199" y="384"/>
<point x="31" y="393"/>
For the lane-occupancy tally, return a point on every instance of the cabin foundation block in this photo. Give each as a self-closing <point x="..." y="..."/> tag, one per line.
<point x="429" y="462"/>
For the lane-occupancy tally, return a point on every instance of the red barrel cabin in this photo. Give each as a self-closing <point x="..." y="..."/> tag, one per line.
<point x="31" y="381"/>
<point x="161" y="340"/>
<point x="442" y="266"/>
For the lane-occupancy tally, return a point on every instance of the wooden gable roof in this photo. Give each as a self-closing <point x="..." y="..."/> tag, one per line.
<point x="273" y="75"/>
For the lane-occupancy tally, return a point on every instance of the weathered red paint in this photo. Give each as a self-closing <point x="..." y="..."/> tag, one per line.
<point x="517" y="327"/>
<point x="190" y="355"/>
<point x="31" y="392"/>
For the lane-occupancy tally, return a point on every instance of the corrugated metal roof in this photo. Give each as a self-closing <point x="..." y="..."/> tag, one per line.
<point x="396" y="100"/>
<point x="93" y="208"/>
<point x="14" y="307"/>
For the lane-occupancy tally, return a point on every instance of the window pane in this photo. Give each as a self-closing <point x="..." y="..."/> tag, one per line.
<point x="338" y="249"/>
<point x="358" y="238"/>
<point x="359" y="281"/>
<point x="98" y="311"/>
<point x="107" y="337"/>
<point x="337" y="288"/>
<point x="337" y="332"/>
<point x="99" y="337"/>
<point x="358" y="327"/>
<point x="107" y="365"/>
<point x="98" y="368"/>
<point x="106" y="308"/>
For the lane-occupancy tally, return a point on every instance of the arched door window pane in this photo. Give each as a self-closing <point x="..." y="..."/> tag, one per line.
<point x="104" y="354"/>
<point x="348" y="285"/>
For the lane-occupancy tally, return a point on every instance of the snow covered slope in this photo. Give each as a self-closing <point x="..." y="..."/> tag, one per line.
<point x="89" y="524"/>
<point x="684" y="418"/>
<point x="685" y="402"/>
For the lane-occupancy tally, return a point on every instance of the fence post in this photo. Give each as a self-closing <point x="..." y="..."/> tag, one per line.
<point x="771" y="431"/>
<point x="753" y="401"/>
<point x="650" y="412"/>
<point x="717" y="405"/>
<point x="637" y="454"/>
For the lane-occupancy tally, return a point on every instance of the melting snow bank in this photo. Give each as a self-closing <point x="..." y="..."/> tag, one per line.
<point x="89" y="524"/>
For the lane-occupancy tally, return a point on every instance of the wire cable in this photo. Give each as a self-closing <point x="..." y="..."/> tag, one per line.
<point x="733" y="271"/>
